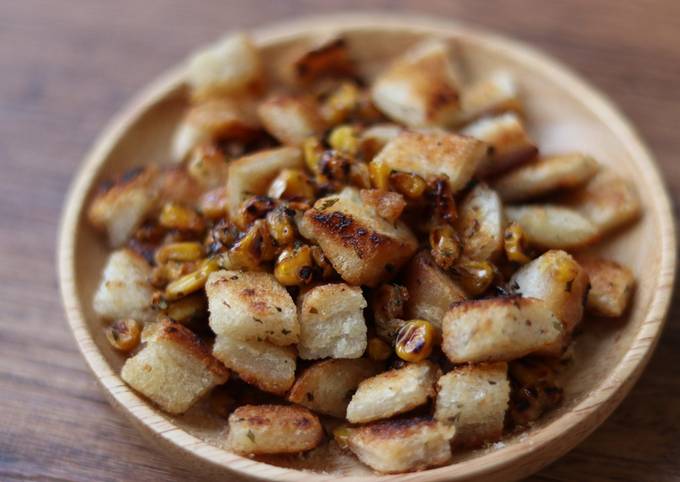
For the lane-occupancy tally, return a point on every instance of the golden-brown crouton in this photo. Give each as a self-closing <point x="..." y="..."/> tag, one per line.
<point x="251" y="306"/>
<point x="490" y="96"/>
<point x="374" y="138"/>
<point x="388" y="204"/>
<point x="291" y="119"/>
<point x="207" y="165"/>
<point x="269" y="367"/>
<point x="362" y="247"/>
<point x="608" y="201"/>
<point x="174" y="369"/>
<point x="509" y="140"/>
<point x="125" y="290"/>
<point x="474" y="398"/>
<point x="481" y="223"/>
<point x="431" y="291"/>
<point x="121" y="206"/>
<point x="611" y="286"/>
<point x="553" y="227"/>
<point x="328" y="58"/>
<point x="253" y="174"/>
<point x="433" y="154"/>
<point x="499" y="329"/>
<point x="402" y="445"/>
<point x="332" y="322"/>
<point x="229" y="66"/>
<point x="327" y="387"/>
<point x="544" y="176"/>
<point x="557" y="279"/>
<point x="393" y="392"/>
<point x="176" y="185"/>
<point x="273" y="429"/>
<point x="420" y="88"/>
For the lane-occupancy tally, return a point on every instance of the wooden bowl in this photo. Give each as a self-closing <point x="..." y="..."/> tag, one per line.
<point x="564" y="114"/>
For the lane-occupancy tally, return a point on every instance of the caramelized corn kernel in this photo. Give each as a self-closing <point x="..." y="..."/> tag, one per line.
<point x="255" y="207"/>
<point x="176" y="216"/>
<point x="344" y="139"/>
<point x="281" y="226"/>
<point x="294" y="266"/>
<point x="335" y="166"/>
<point x="340" y="103"/>
<point x="409" y="185"/>
<point x="415" y="341"/>
<point x="191" y="282"/>
<point x="124" y="335"/>
<point x="291" y="184"/>
<point x="515" y="244"/>
<point x="380" y="175"/>
<point x="312" y="151"/>
<point x="322" y="263"/>
<point x="183" y="251"/>
<point x="378" y="350"/>
<point x="188" y="308"/>
<point x="253" y="248"/>
<point x="213" y="204"/>
<point x="444" y="244"/>
<point x="475" y="276"/>
<point x="444" y="204"/>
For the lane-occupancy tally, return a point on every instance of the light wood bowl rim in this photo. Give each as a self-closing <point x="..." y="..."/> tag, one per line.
<point x="547" y="443"/>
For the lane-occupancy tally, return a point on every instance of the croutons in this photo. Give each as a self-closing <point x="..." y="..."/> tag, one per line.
<point x="362" y="247"/>
<point x="120" y="207"/>
<point x="494" y="95"/>
<point x="327" y="387"/>
<point x="207" y="165"/>
<point x="474" y="398"/>
<point x="509" y="140"/>
<point x="433" y="154"/>
<point x="269" y="367"/>
<point x="544" y="176"/>
<point x="251" y="175"/>
<point x="388" y="204"/>
<point x="251" y="306"/>
<point x="611" y="286"/>
<point x="174" y="369"/>
<point x="402" y="445"/>
<point x="332" y="322"/>
<point x="499" y="329"/>
<point x="431" y="291"/>
<point x="481" y="223"/>
<point x="553" y="227"/>
<point x="124" y="290"/>
<point x="230" y="66"/>
<point x="291" y="119"/>
<point x="273" y="429"/>
<point x="557" y="279"/>
<point x="374" y="138"/>
<point x="329" y="58"/>
<point x="393" y="392"/>
<point x="419" y="88"/>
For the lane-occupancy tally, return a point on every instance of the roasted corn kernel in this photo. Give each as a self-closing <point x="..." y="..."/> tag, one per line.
<point x="172" y="270"/>
<point x="341" y="435"/>
<point x="124" y="335"/>
<point x="188" y="308"/>
<point x="324" y="266"/>
<point x="183" y="251"/>
<point x="515" y="244"/>
<point x="444" y="245"/>
<point x="378" y="350"/>
<point x="281" y="225"/>
<point x="253" y="248"/>
<point x="176" y="216"/>
<point x="444" y="204"/>
<point x="255" y="207"/>
<point x="407" y="184"/>
<point x="344" y="139"/>
<point x="191" y="282"/>
<point x="335" y="166"/>
<point x="415" y="341"/>
<point x="213" y="204"/>
<point x="475" y="276"/>
<point x="340" y="104"/>
<point x="312" y="151"/>
<point x="294" y="266"/>
<point x="380" y="175"/>
<point x="291" y="184"/>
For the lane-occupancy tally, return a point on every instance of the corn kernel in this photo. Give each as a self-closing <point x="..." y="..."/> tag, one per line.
<point x="341" y="435"/>
<point x="213" y="204"/>
<point x="294" y="266"/>
<point x="281" y="226"/>
<point x="415" y="341"/>
<point x="187" y="309"/>
<point x="183" y="251"/>
<point x="312" y="151"/>
<point x="378" y="350"/>
<point x="335" y="166"/>
<point x="444" y="204"/>
<point x="409" y="185"/>
<point x="344" y="139"/>
<point x="191" y="282"/>
<point x="291" y="184"/>
<point x="515" y="244"/>
<point x="340" y="104"/>
<point x="444" y="244"/>
<point x="255" y="207"/>
<point x="177" y="216"/>
<point x="321" y="261"/>
<point x="380" y="175"/>
<point x="124" y="335"/>
<point x="253" y="248"/>
<point x="475" y="276"/>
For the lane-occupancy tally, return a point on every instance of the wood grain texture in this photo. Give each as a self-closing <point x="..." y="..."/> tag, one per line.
<point x="68" y="67"/>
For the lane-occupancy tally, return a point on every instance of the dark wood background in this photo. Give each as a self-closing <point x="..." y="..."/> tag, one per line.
<point x="67" y="66"/>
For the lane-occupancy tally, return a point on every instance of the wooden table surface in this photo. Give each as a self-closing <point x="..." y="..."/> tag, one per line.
<point x="67" y="66"/>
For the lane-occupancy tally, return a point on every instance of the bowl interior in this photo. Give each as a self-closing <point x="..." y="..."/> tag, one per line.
<point x="561" y="116"/>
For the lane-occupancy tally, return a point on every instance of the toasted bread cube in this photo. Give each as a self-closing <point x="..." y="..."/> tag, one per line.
<point x="120" y="208"/>
<point x="374" y="138"/>
<point x="230" y="66"/>
<point x="326" y="387"/>
<point x="433" y="154"/>
<point x="291" y="119"/>
<point x="175" y="184"/>
<point x="499" y="329"/>
<point x="207" y="166"/>
<point x="474" y="398"/>
<point x="174" y="369"/>
<point x="608" y="201"/>
<point x="556" y="278"/>
<point x="510" y="142"/>
<point x="393" y="392"/>
<point x="273" y="429"/>
<point x="611" y="286"/>
<point x="252" y="174"/>
<point x="125" y="290"/>
<point x="329" y="57"/>
<point x="388" y="204"/>
<point x="545" y="176"/>
<point x="402" y="445"/>
<point x="481" y="222"/>
<point x="553" y="227"/>
<point x="332" y="322"/>
<point x="364" y="248"/>
<point x="269" y="367"/>
<point x="251" y="306"/>
<point x="431" y="291"/>
<point x="420" y="88"/>
<point x="490" y="96"/>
